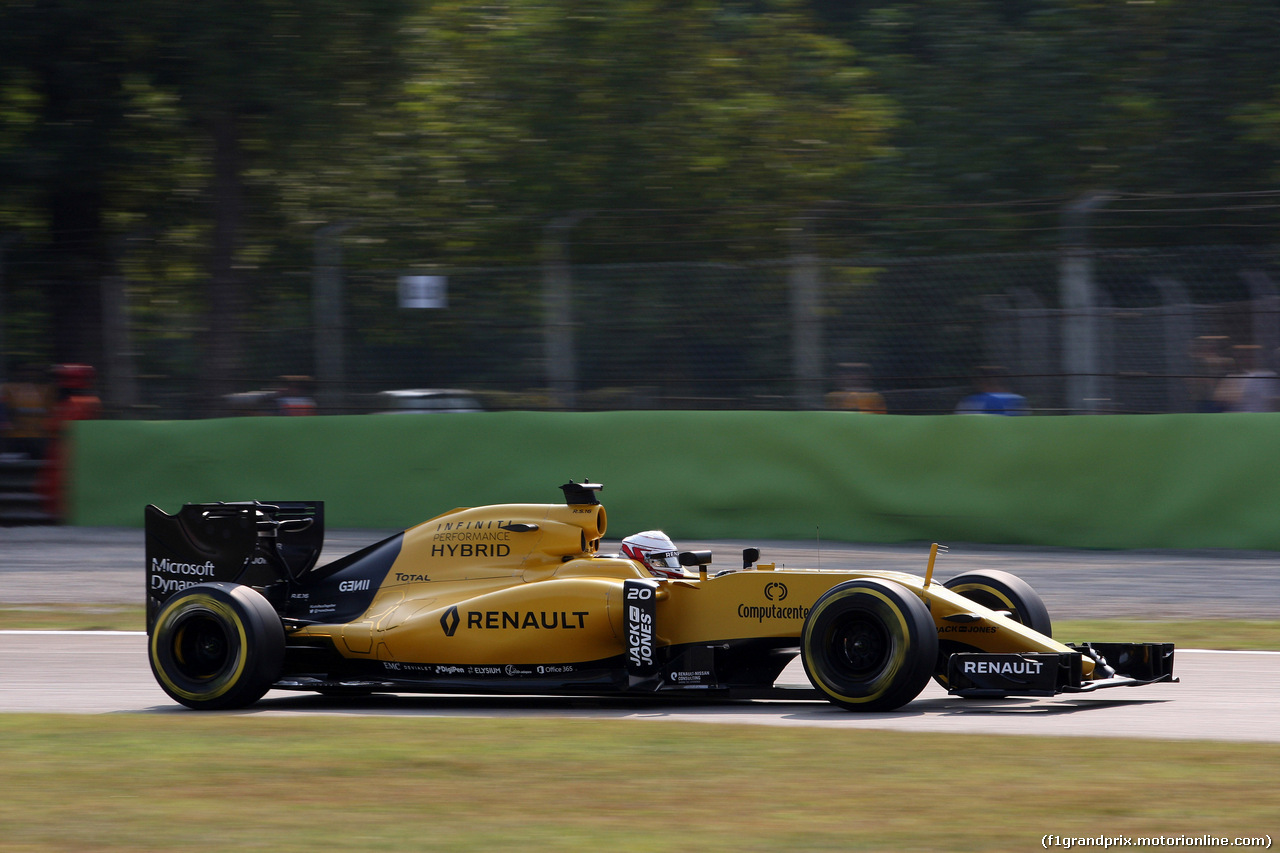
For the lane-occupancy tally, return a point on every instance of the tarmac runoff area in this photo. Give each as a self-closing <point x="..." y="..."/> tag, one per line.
<point x="1230" y="696"/>
<point x="90" y="565"/>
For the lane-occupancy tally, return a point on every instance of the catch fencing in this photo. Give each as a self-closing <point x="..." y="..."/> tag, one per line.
<point x="1133" y="331"/>
<point x="1158" y="331"/>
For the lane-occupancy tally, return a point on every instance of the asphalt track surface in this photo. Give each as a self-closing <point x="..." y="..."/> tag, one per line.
<point x="1232" y="696"/>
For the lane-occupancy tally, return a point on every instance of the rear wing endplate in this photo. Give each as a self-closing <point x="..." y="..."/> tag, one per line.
<point x="205" y="542"/>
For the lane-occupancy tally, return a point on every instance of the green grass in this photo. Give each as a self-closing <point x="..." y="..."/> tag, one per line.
<point x="257" y="782"/>
<point x="1242" y="634"/>
<point x="153" y="782"/>
<point x="1199" y="633"/>
<point x="72" y="617"/>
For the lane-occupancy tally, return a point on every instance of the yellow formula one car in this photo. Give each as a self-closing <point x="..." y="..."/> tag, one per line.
<point x="517" y="599"/>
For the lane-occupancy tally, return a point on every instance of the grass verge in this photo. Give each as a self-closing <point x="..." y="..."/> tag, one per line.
<point x="254" y="782"/>
<point x="1234" y="634"/>
<point x="72" y="617"/>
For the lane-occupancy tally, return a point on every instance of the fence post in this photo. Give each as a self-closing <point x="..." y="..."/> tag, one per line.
<point x="119" y="372"/>
<point x="327" y="319"/>
<point x="1265" y="308"/>
<point x="1033" y="336"/>
<point x="805" y="284"/>
<point x="6" y="241"/>
<point x="1178" y="334"/>
<point x="1079" y="301"/>
<point x="557" y="302"/>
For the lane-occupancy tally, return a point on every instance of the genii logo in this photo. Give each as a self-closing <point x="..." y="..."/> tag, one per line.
<point x="775" y="591"/>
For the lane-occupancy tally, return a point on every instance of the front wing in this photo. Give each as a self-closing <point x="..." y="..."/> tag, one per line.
<point x="984" y="675"/>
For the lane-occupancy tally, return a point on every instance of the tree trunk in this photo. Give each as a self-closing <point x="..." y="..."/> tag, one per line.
<point x="78" y="259"/>
<point x="78" y="255"/>
<point x="226" y="289"/>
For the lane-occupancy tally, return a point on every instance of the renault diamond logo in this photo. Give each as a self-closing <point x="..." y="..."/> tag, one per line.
<point x="449" y="621"/>
<point x="775" y="591"/>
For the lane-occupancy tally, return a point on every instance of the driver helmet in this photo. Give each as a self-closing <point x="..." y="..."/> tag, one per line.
<point x="656" y="550"/>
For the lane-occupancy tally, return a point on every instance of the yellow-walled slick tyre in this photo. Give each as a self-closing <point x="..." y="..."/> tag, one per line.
<point x="998" y="590"/>
<point x="217" y="646"/>
<point x="869" y="645"/>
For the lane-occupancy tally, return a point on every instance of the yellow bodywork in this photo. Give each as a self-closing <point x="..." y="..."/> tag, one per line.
<point x="524" y="584"/>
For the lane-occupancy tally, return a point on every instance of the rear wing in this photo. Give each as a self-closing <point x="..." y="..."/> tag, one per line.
<point x="244" y="542"/>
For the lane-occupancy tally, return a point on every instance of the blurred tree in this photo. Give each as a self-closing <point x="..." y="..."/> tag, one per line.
<point x="1013" y="107"/>
<point x="62" y="70"/>
<point x="256" y="77"/>
<point x="110" y="117"/>
<point x="221" y="136"/>
<point x="666" y="120"/>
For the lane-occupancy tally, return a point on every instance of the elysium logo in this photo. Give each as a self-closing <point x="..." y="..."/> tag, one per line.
<point x="775" y="591"/>
<point x="449" y="621"/>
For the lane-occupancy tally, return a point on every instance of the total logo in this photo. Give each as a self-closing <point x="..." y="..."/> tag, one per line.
<point x="775" y="591"/>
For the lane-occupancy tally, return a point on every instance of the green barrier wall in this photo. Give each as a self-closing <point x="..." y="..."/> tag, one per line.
<point x="1165" y="481"/>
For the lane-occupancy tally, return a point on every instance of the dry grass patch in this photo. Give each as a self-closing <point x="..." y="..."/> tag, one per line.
<point x="72" y="617"/>
<point x="252" y="781"/>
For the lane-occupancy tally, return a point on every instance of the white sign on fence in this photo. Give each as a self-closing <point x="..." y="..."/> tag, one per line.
<point x="424" y="291"/>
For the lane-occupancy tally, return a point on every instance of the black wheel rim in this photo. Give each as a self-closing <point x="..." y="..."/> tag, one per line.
<point x="202" y="647"/>
<point x="858" y="646"/>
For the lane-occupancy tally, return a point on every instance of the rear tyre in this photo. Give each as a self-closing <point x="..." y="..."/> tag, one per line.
<point x="217" y="646"/>
<point x="869" y="645"/>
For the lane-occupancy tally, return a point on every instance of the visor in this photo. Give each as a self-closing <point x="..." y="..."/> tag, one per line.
<point x="665" y="559"/>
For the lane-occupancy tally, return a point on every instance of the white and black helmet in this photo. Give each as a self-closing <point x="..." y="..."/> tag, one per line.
<point x="656" y="550"/>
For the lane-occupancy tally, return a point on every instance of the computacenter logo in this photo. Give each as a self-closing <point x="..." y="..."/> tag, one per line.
<point x="775" y="591"/>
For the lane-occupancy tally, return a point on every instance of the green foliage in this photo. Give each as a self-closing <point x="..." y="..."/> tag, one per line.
<point x="640" y="118"/>
<point x="197" y="148"/>
<point x="1010" y="102"/>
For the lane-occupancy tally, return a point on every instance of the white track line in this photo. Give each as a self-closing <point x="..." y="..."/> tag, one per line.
<point x="1225" y="652"/>
<point x="78" y="633"/>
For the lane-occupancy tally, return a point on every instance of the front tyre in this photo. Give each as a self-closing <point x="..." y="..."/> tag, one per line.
<point x="217" y="646"/>
<point x="869" y="645"/>
<point x="997" y="590"/>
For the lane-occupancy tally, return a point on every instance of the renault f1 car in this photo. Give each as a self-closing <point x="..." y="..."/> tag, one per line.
<point x="518" y="599"/>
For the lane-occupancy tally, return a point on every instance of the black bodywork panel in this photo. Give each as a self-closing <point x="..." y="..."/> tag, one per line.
<point x="272" y="547"/>
<point x="343" y="589"/>
<point x="267" y="545"/>
<point x="737" y="669"/>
